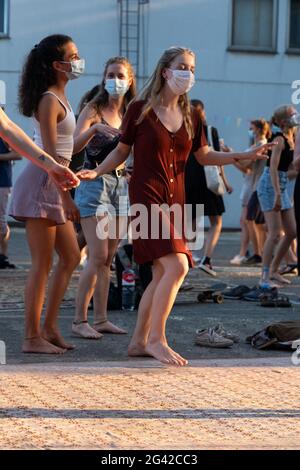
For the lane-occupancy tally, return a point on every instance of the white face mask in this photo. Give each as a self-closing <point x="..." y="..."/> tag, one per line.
<point x="181" y="81"/>
<point x="77" y="68"/>
<point x="116" y="87"/>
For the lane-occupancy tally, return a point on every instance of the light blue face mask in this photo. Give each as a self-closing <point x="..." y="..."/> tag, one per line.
<point x="251" y="133"/>
<point x="116" y="87"/>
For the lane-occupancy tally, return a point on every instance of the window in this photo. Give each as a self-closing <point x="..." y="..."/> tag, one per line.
<point x="4" y="13"/>
<point x="254" y="25"/>
<point x="294" y="29"/>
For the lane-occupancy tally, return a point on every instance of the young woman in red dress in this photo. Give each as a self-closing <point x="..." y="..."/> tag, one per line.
<point x="162" y="128"/>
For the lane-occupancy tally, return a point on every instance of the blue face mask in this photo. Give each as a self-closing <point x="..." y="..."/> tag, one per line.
<point x="275" y="129"/>
<point x="251" y="134"/>
<point x="116" y="87"/>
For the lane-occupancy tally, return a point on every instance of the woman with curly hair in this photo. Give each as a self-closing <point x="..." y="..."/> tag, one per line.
<point x="47" y="211"/>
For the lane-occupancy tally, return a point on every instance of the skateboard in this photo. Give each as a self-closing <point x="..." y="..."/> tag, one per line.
<point x="206" y="295"/>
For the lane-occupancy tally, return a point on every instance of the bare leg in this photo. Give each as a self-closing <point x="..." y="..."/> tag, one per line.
<point x="273" y="221"/>
<point x="254" y="238"/>
<point x="101" y="323"/>
<point x="98" y="250"/>
<point x="244" y="232"/>
<point x="137" y="346"/>
<point x="175" y="268"/>
<point x="213" y="234"/>
<point x="41" y="239"/>
<point x="289" y="227"/>
<point x="4" y="238"/>
<point x="67" y="249"/>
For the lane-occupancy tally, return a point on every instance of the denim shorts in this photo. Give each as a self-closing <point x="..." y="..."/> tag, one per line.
<point x="266" y="193"/>
<point x="107" y="191"/>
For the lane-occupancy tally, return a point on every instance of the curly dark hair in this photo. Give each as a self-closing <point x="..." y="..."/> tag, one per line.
<point x="38" y="73"/>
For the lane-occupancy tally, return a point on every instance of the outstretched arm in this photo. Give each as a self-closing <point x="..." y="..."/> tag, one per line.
<point x="22" y="144"/>
<point x="112" y="161"/>
<point x="206" y="156"/>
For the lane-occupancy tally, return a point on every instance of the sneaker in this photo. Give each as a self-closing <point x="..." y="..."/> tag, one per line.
<point x="5" y="264"/>
<point x="211" y="339"/>
<point x="208" y="269"/>
<point x="259" y="291"/>
<point x="226" y="334"/>
<point x="252" y="261"/>
<point x="236" y="292"/>
<point x="238" y="260"/>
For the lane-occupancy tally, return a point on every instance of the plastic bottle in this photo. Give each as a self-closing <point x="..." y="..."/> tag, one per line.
<point x="128" y="289"/>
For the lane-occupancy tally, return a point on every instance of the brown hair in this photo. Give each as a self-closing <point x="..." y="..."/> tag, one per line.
<point x="263" y="126"/>
<point x="151" y="91"/>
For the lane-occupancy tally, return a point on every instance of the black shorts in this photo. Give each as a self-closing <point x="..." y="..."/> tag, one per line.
<point x="254" y="211"/>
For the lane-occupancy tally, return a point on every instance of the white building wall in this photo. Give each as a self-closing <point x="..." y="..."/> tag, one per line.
<point x="235" y="86"/>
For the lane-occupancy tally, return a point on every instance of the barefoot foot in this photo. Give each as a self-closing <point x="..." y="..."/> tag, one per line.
<point x="84" y="330"/>
<point x="277" y="277"/>
<point x="54" y="337"/>
<point x="166" y="355"/>
<point x="39" y="345"/>
<point x="137" y="350"/>
<point x="108" y="327"/>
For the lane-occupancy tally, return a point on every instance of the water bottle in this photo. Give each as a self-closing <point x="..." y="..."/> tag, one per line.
<point x="128" y="289"/>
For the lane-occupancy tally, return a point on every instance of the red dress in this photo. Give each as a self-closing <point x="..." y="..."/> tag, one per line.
<point x="158" y="175"/>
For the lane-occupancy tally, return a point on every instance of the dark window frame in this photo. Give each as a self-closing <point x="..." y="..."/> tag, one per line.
<point x="5" y="34"/>
<point x="290" y="50"/>
<point x="254" y="49"/>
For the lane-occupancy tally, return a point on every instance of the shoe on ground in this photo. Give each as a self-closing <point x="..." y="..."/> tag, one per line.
<point x="254" y="260"/>
<point x="258" y="292"/>
<point x="208" y="269"/>
<point x="236" y="292"/>
<point x="220" y="330"/>
<point x="238" y="260"/>
<point x="5" y="264"/>
<point x="210" y="339"/>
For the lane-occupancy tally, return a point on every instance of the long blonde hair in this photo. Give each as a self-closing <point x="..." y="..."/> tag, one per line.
<point x="152" y="90"/>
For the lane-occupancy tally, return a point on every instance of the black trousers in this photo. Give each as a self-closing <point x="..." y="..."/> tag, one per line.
<point x="297" y="215"/>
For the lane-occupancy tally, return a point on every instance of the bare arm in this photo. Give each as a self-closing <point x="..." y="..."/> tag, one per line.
<point x="112" y="161"/>
<point x="206" y="156"/>
<point x="86" y="128"/>
<point x="297" y="152"/>
<point x="10" y="156"/>
<point x="275" y="158"/>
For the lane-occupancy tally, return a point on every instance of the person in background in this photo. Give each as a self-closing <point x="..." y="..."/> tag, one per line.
<point x="274" y="199"/>
<point x="197" y="192"/>
<point x="7" y="157"/>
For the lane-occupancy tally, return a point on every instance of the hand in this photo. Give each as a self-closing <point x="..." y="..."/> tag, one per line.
<point x="277" y="203"/>
<point x="229" y="189"/>
<point x="71" y="210"/>
<point x="105" y="130"/>
<point x="87" y="175"/>
<point x="259" y="153"/>
<point x="63" y="177"/>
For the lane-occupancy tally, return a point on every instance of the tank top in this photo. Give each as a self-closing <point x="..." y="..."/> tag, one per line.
<point x="286" y="156"/>
<point x="65" y="131"/>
